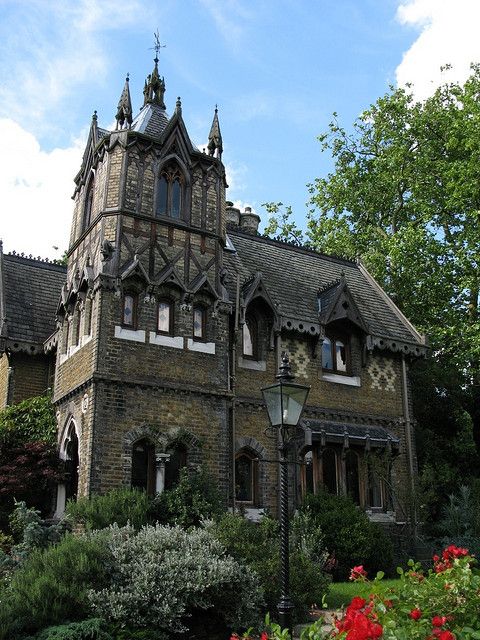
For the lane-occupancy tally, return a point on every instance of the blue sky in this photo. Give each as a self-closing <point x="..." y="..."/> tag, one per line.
<point x="276" y="68"/>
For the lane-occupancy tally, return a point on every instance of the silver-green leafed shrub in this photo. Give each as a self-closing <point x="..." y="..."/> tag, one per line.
<point x="163" y="576"/>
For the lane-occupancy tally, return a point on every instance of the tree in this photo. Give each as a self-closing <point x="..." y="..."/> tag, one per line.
<point x="404" y="196"/>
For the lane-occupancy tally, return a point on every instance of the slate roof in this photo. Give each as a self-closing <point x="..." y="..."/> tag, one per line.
<point x="294" y="275"/>
<point x="151" y="120"/>
<point x="29" y="293"/>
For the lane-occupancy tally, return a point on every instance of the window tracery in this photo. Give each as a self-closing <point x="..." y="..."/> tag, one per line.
<point x="170" y="192"/>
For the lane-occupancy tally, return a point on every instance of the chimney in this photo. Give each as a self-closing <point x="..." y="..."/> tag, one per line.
<point x="233" y="215"/>
<point x="249" y="221"/>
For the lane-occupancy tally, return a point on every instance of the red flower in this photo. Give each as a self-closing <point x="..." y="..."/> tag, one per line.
<point x="264" y="636"/>
<point x="358" y="573"/>
<point x="356" y="603"/>
<point x="415" y="614"/>
<point x="446" y="635"/>
<point x="388" y="604"/>
<point x="439" y="621"/>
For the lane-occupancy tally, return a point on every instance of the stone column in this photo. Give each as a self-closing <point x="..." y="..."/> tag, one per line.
<point x="160" y="460"/>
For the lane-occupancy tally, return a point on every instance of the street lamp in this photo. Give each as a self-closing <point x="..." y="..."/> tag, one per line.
<point x="285" y="401"/>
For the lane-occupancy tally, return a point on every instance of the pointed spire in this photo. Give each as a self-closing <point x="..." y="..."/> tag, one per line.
<point x="178" y="106"/>
<point x="154" y="88"/>
<point x="124" y="109"/>
<point x="215" y="137"/>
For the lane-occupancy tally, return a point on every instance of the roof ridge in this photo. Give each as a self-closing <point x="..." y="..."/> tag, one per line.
<point x="301" y="248"/>
<point x="31" y="258"/>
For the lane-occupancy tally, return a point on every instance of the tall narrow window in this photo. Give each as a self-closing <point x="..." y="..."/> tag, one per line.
<point x="165" y="317"/>
<point x="336" y="355"/>
<point x="308" y="471"/>
<point x="174" y="466"/>
<point x="245" y="478"/>
<point x="87" y="209"/>
<point x="375" y="490"/>
<point x="72" y="462"/>
<point x="143" y="466"/>
<point x="250" y="339"/>
<point x="329" y="470"/>
<point x="199" y="322"/>
<point x="351" y="472"/>
<point x="129" y="310"/>
<point x="170" y="193"/>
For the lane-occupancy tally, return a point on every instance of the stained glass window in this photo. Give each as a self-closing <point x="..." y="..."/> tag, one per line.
<point x="164" y="324"/>
<point x="128" y="310"/>
<point x="198" y="322"/>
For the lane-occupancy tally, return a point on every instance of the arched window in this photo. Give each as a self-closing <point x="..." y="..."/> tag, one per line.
<point x="336" y="355"/>
<point x="170" y="193"/>
<point x="308" y="472"/>
<point x="143" y="466"/>
<point x="329" y="470"/>
<point x="177" y="461"/>
<point x="199" y="323"/>
<point x="88" y="204"/>
<point x="246" y="472"/>
<point x="165" y="316"/>
<point x="250" y="338"/>
<point x="376" y="490"/>
<point x="351" y="473"/>
<point x="72" y="462"/>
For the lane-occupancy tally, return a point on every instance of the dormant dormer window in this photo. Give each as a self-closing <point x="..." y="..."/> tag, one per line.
<point x="170" y="193"/>
<point x="165" y="316"/>
<point x="199" y="323"/>
<point x="336" y="355"/>
<point x="129" y="310"/>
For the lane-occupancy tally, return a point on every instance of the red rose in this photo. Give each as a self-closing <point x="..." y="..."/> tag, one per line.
<point x="376" y="630"/>
<point x="357" y="603"/>
<point x="439" y="621"/>
<point x="264" y="636"/>
<point x="415" y="614"/>
<point x="358" y="573"/>
<point x="446" y="635"/>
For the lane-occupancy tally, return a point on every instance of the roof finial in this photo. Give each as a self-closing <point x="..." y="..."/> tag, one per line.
<point x="178" y="106"/>
<point x="155" y="85"/>
<point x="215" y="137"/>
<point x="124" y="109"/>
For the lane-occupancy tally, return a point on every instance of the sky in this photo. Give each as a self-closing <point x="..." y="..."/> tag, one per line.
<point x="277" y="69"/>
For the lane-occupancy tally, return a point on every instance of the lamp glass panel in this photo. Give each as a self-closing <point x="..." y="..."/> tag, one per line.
<point x="289" y="397"/>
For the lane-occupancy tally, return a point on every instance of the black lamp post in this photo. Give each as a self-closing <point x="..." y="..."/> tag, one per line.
<point x="285" y="401"/>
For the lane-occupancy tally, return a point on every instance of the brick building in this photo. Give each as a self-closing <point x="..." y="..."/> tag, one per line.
<point x="173" y="314"/>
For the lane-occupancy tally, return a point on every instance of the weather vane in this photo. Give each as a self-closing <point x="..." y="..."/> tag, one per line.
<point x="157" y="45"/>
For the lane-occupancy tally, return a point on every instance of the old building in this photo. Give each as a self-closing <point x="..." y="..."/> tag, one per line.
<point x="174" y="313"/>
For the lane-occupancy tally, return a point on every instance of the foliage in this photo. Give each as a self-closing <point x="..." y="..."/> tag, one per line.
<point x="118" y="506"/>
<point x="257" y="545"/>
<point x="193" y="499"/>
<point x="51" y="586"/>
<point x="162" y="575"/>
<point x="30" y="532"/>
<point x="280" y="224"/>
<point x="341" y="593"/>
<point x="32" y="420"/>
<point x="90" y="629"/>
<point x="442" y="603"/>
<point x="349" y="536"/>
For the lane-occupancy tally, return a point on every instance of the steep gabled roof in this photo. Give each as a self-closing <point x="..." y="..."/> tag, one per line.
<point x="295" y="275"/>
<point x="29" y="289"/>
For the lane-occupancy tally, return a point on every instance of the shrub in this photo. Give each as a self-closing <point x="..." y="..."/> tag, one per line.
<point x="90" y="629"/>
<point x="32" y="420"/>
<point x="162" y="576"/>
<point x="348" y="534"/>
<point x="258" y="546"/>
<point x="195" y="498"/>
<point x="51" y="586"/>
<point x="119" y="506"/>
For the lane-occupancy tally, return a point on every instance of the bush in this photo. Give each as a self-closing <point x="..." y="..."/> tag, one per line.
<point x="195" y="498"/>
<point x="348" y="534"/>
<point x="32" y="420"/>
<point x="162" y="576"/>
<point x="91" y="629"/>
<point x="258" y="546"/>
<point x="119" y="506"/>
<point x="51" y="586"/>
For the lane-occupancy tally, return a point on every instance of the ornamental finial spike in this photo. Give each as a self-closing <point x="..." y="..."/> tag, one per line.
<point x="285" y="369"/>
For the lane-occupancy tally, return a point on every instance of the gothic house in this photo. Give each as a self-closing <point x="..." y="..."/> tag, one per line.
<point x="173" y="313"/>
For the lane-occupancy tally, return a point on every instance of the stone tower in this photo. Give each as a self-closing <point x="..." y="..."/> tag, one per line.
<point x="142" y="378"/>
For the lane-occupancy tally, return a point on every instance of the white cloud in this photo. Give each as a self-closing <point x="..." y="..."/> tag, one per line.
<point x="50" y="48"/>
<point x="36" y="190"/>
<point x="229" y="17"/>
<point x="448" y="35"/>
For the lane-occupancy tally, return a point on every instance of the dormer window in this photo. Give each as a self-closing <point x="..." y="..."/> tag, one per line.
<point x="129" y="311"/>
<point x="165" y="317"/>
<point x="336" y="354"/>
<point x="170" y="193"/>
<point x="199" y="323"/>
